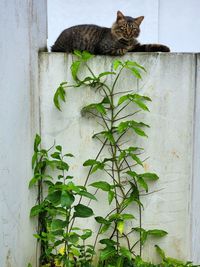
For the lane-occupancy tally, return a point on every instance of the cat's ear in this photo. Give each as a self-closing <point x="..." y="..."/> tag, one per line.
<point x="119" y="15"/>
<point x="139" y="20"/>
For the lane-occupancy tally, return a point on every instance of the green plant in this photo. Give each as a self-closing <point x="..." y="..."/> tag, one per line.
<point x="62" y="243"/>
<point x="123" y="185"/>
<point x="56" y="208"/>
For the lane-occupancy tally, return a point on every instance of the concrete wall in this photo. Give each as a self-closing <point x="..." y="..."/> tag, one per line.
<point x="23" y="31"/>
<point x="174" y="23"/>
<point x="171" y="82"/>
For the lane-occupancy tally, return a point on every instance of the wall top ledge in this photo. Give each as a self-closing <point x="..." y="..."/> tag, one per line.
<point x="130" y="54"/>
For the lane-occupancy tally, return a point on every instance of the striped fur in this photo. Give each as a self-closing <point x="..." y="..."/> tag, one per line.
<point x="117" y="40"/>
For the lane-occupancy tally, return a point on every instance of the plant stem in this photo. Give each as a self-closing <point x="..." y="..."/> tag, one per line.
<point x="129" y="115"/>
<point x="139" y="208"/>
<point x="87" y="178"/>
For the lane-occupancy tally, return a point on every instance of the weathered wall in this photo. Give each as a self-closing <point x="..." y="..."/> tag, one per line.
<point x="23" y="32"/>
<point x="171" y="83"/>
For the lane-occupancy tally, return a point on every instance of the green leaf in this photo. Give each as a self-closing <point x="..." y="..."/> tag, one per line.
<point x="140" y="132"/>
<point x="134" y="64"/>
<point x="54" y="197"/>
<point x="33" y="181"/>
<point x="82" y="211"/>
<point x="142" y="183"/>
<point x="174" y="262"/>
<point x="106" y="134"/>
<point x="96" y="106"/>
<point x="105" y="100"/>
<point x="137" y="159"/>
<point x="125" y="125"/>
<point x="160" y="252"/>
<point x="107" y="253"/>
<point x="61" y="165"/>
<point x="90" y="162"/>
<point x="126" y="202"/>
<point x="86" y="55"/>
<point x="75" y="252"/>
<point x="136" y="73"/>
<point x="144" y="236"/>
<point x="122" y="155"/>
<point x="120" y="226"/>
<point x="104" y="228"/>
<point x="69" y="177"/>
<point x="83" y="55"/>
<point x="59" y="95"/>
<point x="97" y="165"/>
<point x="127" y="216"/>
<point x="35" y="211"/>
<point x="123" y="98"/>
<point x="86" y="194"/>
<point x="157" y="232"/>
<point x="126" y="253"/>
<point x="149" y="176"/>
<point x="111" y="195"/>
<point x="57" y="243"/>
<point x="109" y="136"/>
<point x="101" y="185"/>
<point x="37" y="142"/>
<point x="114" y="217"/>
<point x="59" y="148"/>
<point x="57" y="224"/>
<point x="135" y="98"/>
<point x="116" y="64"/>
<point x="120" y="262"/>
<point x="100" y="108"/>
<point x="108" y="242"/>
<point x="106" y="73"/>
<point x="78" y="53"/>
<point x="69" y="155"/>
<point x="87" y="234"/>
<point x="141" y="105"/>
<point x="132" y="174"/>
<point x="101" y="220"/>
<point x="56" y="155"/>
<point x="74" y="69"/>
<point x="72" y="187"/>
<point x="66" y="199"/>
<point x="134" y="67"/>
<point x="29" y="265"/>
<point x="34" y="159"/>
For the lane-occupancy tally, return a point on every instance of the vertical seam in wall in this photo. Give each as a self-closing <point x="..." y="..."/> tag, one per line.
<point x="192" y="197"/>
<point x="39" y="95"/>
<point x="31" y="95"/>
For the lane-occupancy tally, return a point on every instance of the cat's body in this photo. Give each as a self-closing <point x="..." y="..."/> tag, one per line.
<point x="118" y="40"/>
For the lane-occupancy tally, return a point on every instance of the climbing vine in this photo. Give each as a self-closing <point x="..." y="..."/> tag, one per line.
<point x="121" y="235"/>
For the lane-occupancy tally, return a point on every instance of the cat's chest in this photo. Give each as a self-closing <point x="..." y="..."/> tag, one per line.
<point x="128" y="44"/>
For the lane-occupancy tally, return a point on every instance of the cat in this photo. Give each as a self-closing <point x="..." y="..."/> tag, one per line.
<point x="115" y="41"/>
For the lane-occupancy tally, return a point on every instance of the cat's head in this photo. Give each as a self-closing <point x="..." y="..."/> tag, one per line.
<point x="126" y="27"/>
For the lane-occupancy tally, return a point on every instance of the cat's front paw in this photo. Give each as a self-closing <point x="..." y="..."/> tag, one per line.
<point x="121" y="51"/>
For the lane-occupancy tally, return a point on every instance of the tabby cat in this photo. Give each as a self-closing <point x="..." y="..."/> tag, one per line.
<point x="115" y="41"/>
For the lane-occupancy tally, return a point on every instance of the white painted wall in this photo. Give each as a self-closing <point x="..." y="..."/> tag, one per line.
<point x="169" y="146"/>
<point x="175" y="23"/>
<point x="23" y="32"/>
